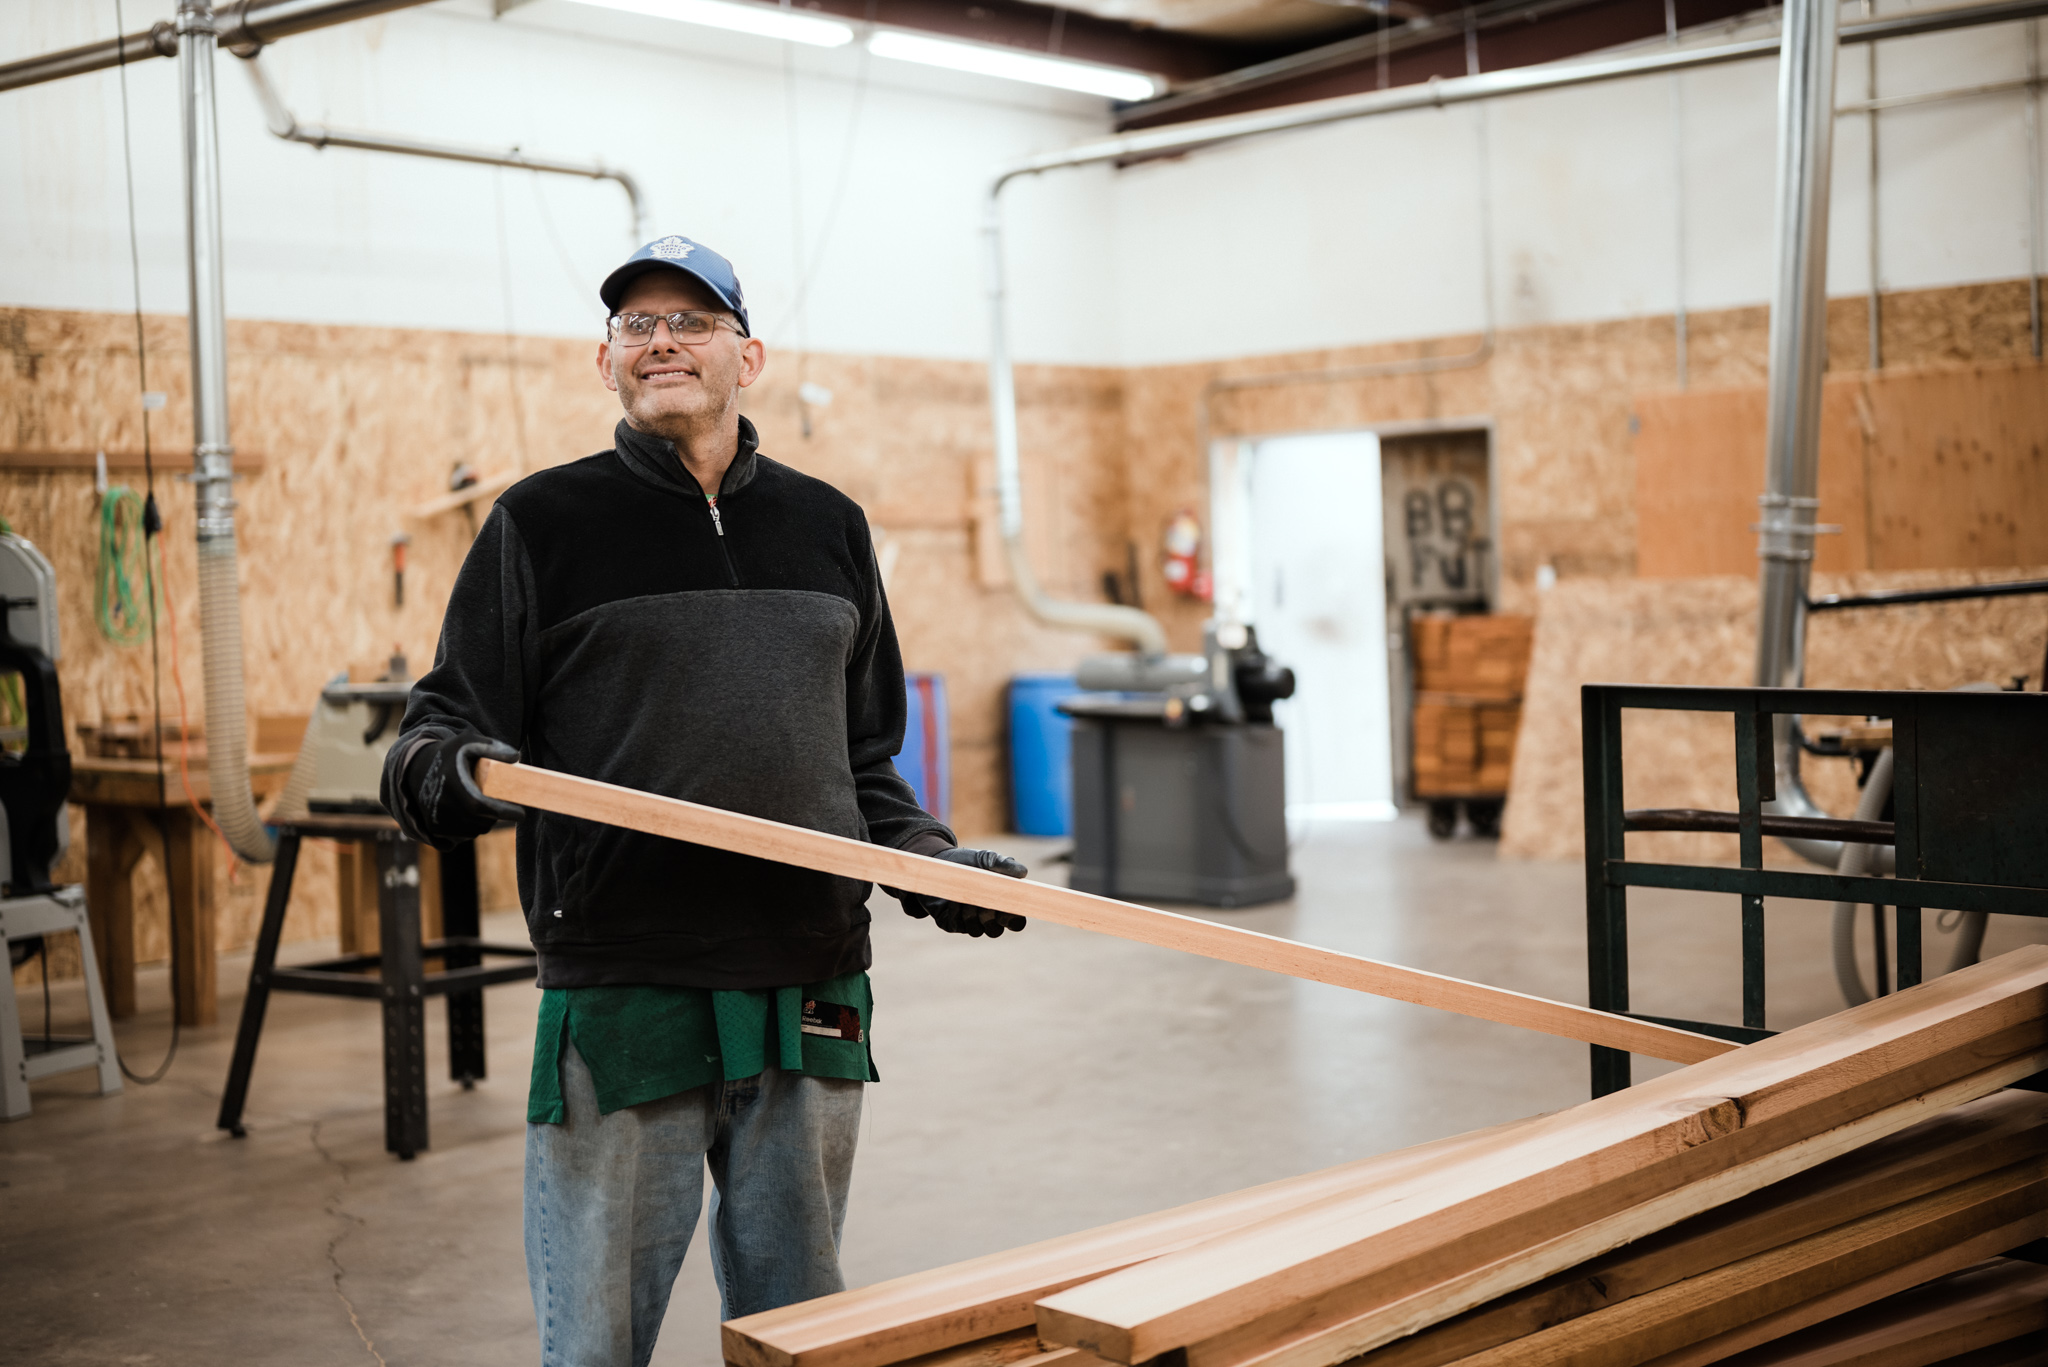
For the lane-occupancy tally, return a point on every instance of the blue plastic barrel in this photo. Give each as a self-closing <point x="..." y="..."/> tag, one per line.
<point x="927" y="755"/>
<point x="1041" y="764"/>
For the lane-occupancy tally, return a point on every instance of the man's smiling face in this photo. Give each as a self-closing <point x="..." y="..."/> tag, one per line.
<point x="666" y="387"/>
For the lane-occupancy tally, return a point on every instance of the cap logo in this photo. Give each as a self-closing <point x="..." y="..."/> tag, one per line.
<point x="671" y="248"/>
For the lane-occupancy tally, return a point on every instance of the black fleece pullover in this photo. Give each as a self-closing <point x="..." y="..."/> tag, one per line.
<point x="613" y="623"/>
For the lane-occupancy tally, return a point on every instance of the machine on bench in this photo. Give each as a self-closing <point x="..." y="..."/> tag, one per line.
<point x="1179" y="779"/>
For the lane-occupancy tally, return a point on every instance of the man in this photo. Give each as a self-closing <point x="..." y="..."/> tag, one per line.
<point x="683" y="615"/>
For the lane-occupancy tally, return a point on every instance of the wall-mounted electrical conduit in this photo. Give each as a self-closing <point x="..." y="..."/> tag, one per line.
<point x="1141" y="628"/>
<point x="282" y="123"/>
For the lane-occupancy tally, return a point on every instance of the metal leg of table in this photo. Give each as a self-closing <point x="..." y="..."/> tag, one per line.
<point x="405" y="1024"/>
<point x="461" y="915"/>
<point x="257" y="999"/>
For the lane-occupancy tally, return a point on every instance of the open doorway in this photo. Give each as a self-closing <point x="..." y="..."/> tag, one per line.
<point x="1439" y="538"/>
<point x="1317" y="596"/>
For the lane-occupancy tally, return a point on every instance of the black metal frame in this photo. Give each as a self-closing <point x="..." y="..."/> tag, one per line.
<point x="402" y="984"/>
<point x="1610" y="873"/>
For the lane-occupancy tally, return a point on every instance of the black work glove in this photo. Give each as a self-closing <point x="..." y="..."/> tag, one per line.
<point x="440" y="787"/>
<point x="954" y="918"/>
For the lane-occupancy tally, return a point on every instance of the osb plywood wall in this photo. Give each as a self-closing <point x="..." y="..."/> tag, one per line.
<point x="1703" y="631"/>
<point x="1923" y="469"/>
<point x="357" y="426"/>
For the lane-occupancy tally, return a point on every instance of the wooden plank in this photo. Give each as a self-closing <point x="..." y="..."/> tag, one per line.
<point x="1850" y="1299"/>
<point x="928" y="1311"/>
<point x="1696" y="1310"/>
<point x="1355" y="1319"/>
<point x="482" y="489"/>
<point x="690" y="821"/>
<point x="1657" y="1152"/>
<point x="1992" y="1302"/>
<point x="168" y="462"/>
<point x="1983" y="1136"/>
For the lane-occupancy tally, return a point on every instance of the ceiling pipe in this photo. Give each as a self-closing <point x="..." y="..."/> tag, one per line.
<point x="240" y="27"/>
<point x="220" y="606"/>
<point x="279" y="117"/>
<point x="1141" y="628"/>
<point x="1798" y="356"/>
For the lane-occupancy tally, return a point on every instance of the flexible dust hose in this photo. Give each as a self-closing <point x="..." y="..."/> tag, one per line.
<point x="227" y="717"/>
<point x="1855" y="862"/>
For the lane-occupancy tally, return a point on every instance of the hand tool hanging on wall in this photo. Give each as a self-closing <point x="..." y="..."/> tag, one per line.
<point x="751" y="835"/>
<point x="399" y="541"/>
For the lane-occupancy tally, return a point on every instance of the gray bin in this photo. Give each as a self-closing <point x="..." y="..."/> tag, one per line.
<point x="1180" y="814"/>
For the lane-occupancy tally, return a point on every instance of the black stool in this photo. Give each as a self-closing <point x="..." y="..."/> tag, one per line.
<point x="400" y="982"/>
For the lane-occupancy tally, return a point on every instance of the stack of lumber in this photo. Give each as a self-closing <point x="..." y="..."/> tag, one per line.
<point x="1469" y="673"/>
<point x="1706" y="1213"/>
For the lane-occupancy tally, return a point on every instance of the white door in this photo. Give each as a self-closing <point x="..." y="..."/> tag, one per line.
<point x="1318" y="599"/>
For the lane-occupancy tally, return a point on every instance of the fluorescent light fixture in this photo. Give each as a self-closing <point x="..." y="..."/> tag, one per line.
<point x="1011" y="65"/>
<point x="791" y="25"/>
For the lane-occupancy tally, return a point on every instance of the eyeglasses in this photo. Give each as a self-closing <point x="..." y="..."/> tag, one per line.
<point x="692" y="328"/>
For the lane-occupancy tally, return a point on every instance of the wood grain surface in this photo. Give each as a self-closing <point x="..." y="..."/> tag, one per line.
<point x="763" y="839"/>
<point x="1991" y="1133"/>
<point x="926" y="1312"/>
<point x="1656" y="1153"/>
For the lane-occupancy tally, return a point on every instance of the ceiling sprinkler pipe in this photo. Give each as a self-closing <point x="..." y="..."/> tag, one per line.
<point x="1140" y="628"/>
<point x="220" y="610"/>
<point x="1798" y="355"/>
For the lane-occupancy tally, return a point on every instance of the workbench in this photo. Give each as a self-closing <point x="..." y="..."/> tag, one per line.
<point x="130" y="812"/>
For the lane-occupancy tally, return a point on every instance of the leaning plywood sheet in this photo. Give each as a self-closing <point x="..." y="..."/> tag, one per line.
<point x="652" y="814"/>
<point x="1316" y="1287"/>
<point x="896" y="1320"/>
<point x="1986" y="1135"/>
<point x="1997" y="1301"/>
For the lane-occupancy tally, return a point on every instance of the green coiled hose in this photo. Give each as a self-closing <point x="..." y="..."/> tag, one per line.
<point x="124" y="615"/>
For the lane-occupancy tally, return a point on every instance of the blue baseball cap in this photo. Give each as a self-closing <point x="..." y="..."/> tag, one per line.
<point x="694" y="259"/>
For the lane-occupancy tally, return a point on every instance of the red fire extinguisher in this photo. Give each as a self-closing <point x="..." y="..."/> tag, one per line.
<point x="1182" y="567"/>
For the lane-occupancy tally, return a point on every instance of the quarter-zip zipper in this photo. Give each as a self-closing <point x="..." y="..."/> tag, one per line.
<point x="732" y="575"/>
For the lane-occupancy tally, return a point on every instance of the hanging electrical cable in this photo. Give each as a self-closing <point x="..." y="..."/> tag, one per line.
<point x="152" y="523"/>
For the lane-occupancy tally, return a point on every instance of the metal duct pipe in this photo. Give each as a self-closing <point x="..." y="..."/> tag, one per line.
<point x="240" y="27"/>
<point x="1138" y="627"/>
<point x="220" y="607"/>
<point x="1798" y="355"/>
<point x="284" y="125"/>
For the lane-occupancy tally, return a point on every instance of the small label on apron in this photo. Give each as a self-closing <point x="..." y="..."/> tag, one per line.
<point x="832" y="1020"/>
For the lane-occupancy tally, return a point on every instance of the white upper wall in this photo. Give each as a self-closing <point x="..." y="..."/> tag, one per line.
<point x="1347" y="234"/>
<point x="883" y="165"/>
<point x="1371" y="231"/>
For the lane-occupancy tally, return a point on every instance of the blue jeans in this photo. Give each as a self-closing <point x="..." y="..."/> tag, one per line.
<point x="612" y="1200"/>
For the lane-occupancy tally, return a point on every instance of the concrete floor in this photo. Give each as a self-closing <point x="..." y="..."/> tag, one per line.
<point x="1034" y="1085"/>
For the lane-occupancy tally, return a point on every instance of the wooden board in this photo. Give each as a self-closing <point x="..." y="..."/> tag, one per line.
<point x="1995" y="1301"/>
<point x="1850" y="1299"/>
<point x="1741" y="1293"/>
<point x="1930" y="469"/>
<point x="1705" y="1134"/>
<point x="1985" y="1135"/>
<point x="925" y="1312"/>
<point x="1355" y="1319"/>
<point x="593" y="801"/>
<point x="170" y="462"/>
